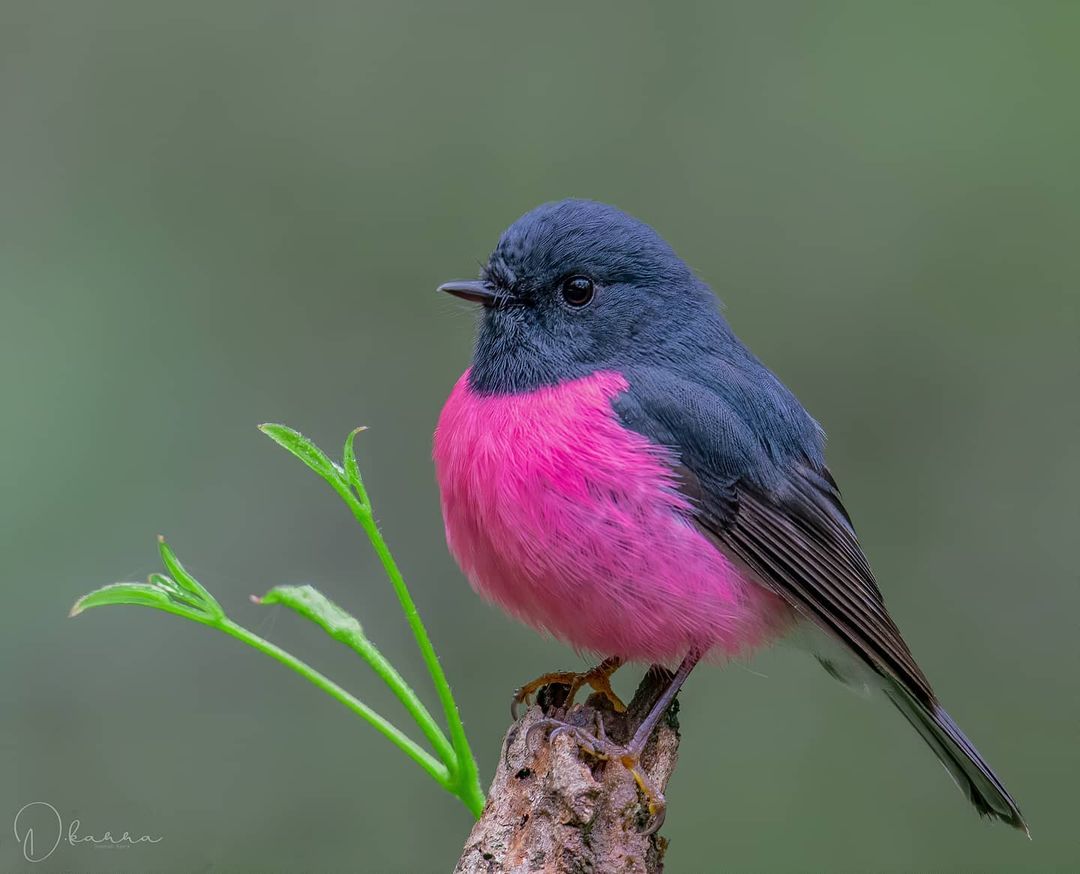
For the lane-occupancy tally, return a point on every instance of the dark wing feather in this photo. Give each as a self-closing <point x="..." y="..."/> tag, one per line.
<point x="803" y="548"/>
<point x="778" y="512"/>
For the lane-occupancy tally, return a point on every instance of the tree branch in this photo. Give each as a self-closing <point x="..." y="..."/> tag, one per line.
<point x="554" y="809"/>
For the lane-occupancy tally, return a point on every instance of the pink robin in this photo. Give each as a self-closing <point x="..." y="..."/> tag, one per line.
<point x="618" y="470"/>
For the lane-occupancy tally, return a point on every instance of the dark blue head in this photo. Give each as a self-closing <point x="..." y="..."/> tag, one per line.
<point x="577" y="286"/>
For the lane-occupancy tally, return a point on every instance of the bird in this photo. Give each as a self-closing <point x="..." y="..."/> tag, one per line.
<point x="618" y="470"/>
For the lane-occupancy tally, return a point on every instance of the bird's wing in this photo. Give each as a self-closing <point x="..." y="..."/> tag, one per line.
<point x="797" y="541"/>
<point x="780" y="517"/>
<point x="778" y="512"/>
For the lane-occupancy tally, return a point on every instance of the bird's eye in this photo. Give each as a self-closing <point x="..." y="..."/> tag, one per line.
<point x="578" y="290"/>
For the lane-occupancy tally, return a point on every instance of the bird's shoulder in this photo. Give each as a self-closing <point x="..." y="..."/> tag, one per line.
<point x="727" y="417"/>
<point x="738" y="435"/>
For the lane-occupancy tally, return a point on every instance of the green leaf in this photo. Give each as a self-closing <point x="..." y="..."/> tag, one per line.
<point x="170" y="587"/>
<point x="304" y="449"/>
<point x="314" y="605"/>
<point x="140" y="595"/>
<point x="352" y="471"/>
<point x="182" y="595"/>
<point x="202" y="598"/>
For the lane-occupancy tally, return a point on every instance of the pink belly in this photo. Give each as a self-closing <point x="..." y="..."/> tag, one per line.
<point x="572" y="523"/>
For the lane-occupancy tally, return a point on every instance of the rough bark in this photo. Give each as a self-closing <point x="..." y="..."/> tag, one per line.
<point x="552" y="808"/>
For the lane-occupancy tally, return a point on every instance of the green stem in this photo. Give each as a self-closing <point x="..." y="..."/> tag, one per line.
<point x="346" y="481"/>
<point x="389" y="675"/>
<point x="438" y="770"/>
<point x="351" y="634"/>
<point x="464" y="774"/>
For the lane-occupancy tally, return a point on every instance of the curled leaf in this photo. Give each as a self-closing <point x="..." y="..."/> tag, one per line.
<point x="191" y="585"/>
<point x="312" y="604"/>
<point x="352" y="471"/>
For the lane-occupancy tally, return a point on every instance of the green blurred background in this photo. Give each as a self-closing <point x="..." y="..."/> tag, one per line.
<point x="218" y="214"/>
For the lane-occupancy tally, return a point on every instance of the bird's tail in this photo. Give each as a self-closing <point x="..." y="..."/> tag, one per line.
<point x="959" y="756"/>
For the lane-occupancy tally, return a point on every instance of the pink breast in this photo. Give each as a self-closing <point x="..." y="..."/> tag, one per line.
<point x="573" y="524"/>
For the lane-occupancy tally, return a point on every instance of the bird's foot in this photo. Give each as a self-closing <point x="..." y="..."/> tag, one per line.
<point x="597" y="745"/>
<point x="599" y="678"/>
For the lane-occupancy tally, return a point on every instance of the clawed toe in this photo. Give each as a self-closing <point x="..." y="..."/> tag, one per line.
<point x="542" y="727"/>
<point x="523" y="694"/>
<point x="599" y="678"/>
<point x="597" y="745"/>
<point x="656" y="804"/>
<point x="553" y="729"/>
<point x="656" y="819"/>
<point x="629" y="756"/>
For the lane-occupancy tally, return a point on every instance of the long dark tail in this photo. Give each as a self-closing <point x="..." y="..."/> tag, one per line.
<point x="959" y="756"/>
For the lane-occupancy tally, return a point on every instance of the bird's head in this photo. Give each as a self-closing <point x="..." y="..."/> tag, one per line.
<point x="577" y="286"/>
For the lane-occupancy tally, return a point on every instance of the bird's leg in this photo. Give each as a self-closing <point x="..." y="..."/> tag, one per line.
<point x="599" y="678"/>
<point x="629" y="756"/>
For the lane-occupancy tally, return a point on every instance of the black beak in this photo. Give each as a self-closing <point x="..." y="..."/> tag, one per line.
<point x="470" y="289"/>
